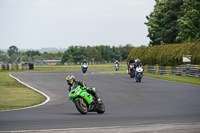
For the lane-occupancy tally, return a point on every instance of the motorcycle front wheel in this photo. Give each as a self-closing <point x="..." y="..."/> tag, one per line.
<point x="81" y="106"/>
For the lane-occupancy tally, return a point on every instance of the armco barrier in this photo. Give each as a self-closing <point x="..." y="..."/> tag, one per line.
<point x="3" y="67"/>
<point x="146" y="69"/>
<point x="150" y="69"/>
<point x="11" y="67"/>
<point x="161" y="70"/>
<point x="183" y="70"/>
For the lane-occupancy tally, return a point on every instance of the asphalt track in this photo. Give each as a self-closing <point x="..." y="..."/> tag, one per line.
<point x="150" y="103"/>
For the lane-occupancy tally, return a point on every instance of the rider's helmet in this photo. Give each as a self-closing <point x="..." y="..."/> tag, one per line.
<point x="138" y="60"/>
<point x="131" y="59"/>
<point x="70" y="79"/>
<point x="84" y="61"/>
<point x="116" y="61"/>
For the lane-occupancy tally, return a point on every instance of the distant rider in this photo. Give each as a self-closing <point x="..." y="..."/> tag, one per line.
<point x="71" y="82"/>
<point x="116" y="62"/>
<point x="131" y="61"/>
<point x="84" y="62"/>
<point x="138" y="63"/>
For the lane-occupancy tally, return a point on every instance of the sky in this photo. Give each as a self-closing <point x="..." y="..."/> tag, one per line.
<point x="35" y="24"/>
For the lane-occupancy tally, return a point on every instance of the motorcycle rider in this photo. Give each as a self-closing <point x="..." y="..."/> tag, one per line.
<point x="131" y="61"/>
<point x="138" y="64"/>
<point x="71" y="82"/>
<point x="84" y="62"/>
<point x="116" y="62"/>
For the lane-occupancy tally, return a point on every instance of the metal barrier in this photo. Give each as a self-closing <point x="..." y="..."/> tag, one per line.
<point x="151" y="69"/>
<point x="14" y="66"/>
<point x="161" y="70"/>
<point x="182" y="70"/>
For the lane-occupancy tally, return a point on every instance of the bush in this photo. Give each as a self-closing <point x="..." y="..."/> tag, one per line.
<point x="167" y="55"/>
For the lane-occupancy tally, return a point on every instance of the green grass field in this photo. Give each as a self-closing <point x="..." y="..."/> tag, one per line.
<point x="181" y="79"/>
<point x="15" y="95"/>
<point x="78" y="67"/>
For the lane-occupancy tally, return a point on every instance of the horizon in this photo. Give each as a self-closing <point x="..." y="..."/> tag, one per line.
<point x="58" y="49"/>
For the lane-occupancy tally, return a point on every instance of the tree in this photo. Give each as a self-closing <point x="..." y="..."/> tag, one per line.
<point x="31" y="53"/>
<point x="174" y="21"/>
<point x="12" y="49"/>
<point x="125" y="50"/>
<point x="162" y="22"/>
<point x="189" y="22"/>
<point x="117" y="55"/>
<point x="100" y="53"/>
<point x="13" y="53"/>
<point x="4" y="57"/>
<point x="93" y="53"/>
<point x="67" y="57"/>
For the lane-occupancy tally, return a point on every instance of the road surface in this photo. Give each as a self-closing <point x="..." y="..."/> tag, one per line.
<point x="152" y="105"/>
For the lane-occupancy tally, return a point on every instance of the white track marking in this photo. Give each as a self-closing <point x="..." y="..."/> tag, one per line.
<point x="163" y="128"/>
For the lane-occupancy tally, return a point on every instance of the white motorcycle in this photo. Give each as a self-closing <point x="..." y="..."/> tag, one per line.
<point x="84" y="67"/>
<point x="139" y="73"/>
<point x="116" y="67"/>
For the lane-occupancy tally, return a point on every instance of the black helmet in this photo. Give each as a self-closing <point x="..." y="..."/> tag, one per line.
<point x="132" y="59"/>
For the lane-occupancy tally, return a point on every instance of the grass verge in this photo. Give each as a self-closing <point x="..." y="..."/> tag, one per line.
<point x="181" y="79"/>
<point x="14" y="95"/>
<point x="77" y="67"/>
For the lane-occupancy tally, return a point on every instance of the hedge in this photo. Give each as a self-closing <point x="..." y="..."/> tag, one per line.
<point x="167" y="55"/>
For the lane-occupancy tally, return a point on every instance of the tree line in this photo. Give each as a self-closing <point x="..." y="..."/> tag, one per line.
<point x="74" y="54"/>
<point x="14" y="55"/>
<point x="100" y="53"/>
<point x="174" y="21"/>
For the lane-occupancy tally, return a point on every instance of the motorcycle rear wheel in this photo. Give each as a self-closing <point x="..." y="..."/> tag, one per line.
<point x="101" y="108"/>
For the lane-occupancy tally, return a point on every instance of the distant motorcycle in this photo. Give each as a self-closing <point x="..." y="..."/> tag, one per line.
<point x="84" y="101"/>
<point x="138" y="74"/>
<point x="131" y="70"/>
<point x="116" y="67"/>
<point x="84" y="67"/>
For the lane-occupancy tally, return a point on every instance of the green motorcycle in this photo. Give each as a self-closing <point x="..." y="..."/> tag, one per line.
<point x="84" y="101"/>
